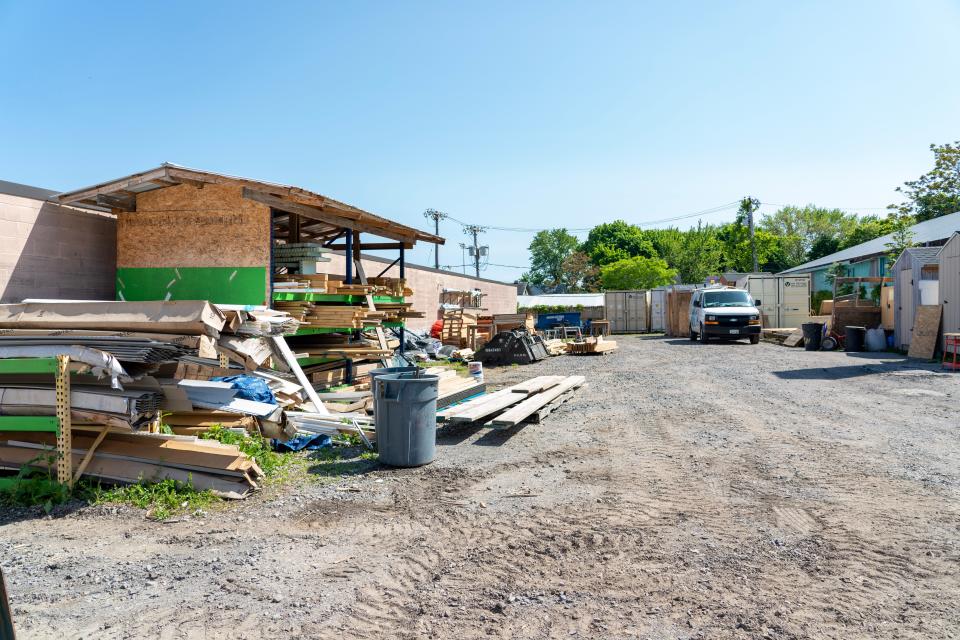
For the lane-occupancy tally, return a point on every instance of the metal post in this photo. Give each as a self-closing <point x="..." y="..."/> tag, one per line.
<point x="64" y="433"/>
<point x="402" y="276"/>
<point x="348" y="273"/>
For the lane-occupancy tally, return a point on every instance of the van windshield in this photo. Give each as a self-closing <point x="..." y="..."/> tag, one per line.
<point x="727" y="299"/>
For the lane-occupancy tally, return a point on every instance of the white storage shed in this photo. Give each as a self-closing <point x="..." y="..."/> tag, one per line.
<point x="949" y="267"/>
<point x="915" y="281"/>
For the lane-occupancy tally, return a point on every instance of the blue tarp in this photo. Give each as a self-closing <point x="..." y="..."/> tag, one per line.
<point x="309" y="441"/>
<point x="249" y="388"/>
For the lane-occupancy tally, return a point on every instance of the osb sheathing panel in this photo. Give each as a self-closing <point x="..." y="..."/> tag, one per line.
<point x="188" y="226"/>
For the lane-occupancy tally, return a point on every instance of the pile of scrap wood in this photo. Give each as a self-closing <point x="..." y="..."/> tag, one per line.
<point x="591" y="346"/>
<point x="785" y="337"/>
<point x="555" y="346"/>
<point x="185" y="366"/>
<point x="529" y="401"/>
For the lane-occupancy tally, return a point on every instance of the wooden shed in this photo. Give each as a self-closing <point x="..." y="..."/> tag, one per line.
<point x="915" y="281"/>
<point x="186" y="234"/>
<point x="949" y="264"/>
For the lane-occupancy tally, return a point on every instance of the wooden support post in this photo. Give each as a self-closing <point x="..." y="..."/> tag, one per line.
<point x="64" y="433"/>
<point x="293" y="228"/>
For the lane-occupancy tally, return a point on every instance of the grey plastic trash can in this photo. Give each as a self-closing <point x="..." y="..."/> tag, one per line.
<point x="405" y="411"/>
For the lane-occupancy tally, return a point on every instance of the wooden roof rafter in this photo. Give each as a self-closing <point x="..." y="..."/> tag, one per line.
<point x="120" y="195"/>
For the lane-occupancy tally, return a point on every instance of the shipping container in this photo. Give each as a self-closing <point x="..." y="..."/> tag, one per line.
<point x="628" y="311"/>
<point x="949" y="274"/>
<point x="784" y="300"/>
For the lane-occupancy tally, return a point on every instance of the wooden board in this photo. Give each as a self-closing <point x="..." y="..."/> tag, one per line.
<point x="926" y="328"/>
<point x="538" y="384"/>
<point x="184" y="226"/>
<point x="795" y="339"/>
<point x="531" y="405"/>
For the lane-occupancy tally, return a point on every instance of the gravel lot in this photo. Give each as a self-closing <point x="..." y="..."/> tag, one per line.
<point x="691" y="491"/>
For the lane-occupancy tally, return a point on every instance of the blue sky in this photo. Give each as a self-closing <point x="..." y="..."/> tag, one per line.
<point x="509" y="114"/>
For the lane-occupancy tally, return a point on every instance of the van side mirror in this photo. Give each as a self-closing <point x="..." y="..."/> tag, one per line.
<point x="756" y="303"/>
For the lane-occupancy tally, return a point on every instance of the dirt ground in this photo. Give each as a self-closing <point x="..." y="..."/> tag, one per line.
<point x="691" y="491"/>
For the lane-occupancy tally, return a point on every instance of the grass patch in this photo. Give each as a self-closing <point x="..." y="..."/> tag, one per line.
<point x="255" y="446"/>
<point x="330" y="464"/>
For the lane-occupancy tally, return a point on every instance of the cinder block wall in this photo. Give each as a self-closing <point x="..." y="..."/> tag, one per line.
<point x="427" y="283"/>
<point x="51" y="251"/>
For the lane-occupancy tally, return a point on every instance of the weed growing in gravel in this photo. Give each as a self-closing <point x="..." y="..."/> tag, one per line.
<point x="255" y="446"/>
<point x="161" y="499"/>
<point x="35" y="486"/>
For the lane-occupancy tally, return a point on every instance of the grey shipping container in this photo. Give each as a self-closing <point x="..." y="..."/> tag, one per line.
<point x="628" y="311"/>
<point x="784" y="300"/>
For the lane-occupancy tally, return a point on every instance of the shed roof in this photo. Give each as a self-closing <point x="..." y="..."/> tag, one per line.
<point x="561" y="300"/>
<point x="935" y="230"/>
<point x="925" y="255"/>
<point x="326" y="212"/>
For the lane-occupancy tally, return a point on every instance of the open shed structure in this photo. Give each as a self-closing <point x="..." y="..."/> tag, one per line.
<point x="915" y="280"/>
<point x="186" y="234"/>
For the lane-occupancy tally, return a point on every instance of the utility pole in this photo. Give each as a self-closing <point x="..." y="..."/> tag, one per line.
<point x="463" y="258"/>
<point x="437" y="217"/>
<point x="747" y="206"/>
<point x="474" y="229"/>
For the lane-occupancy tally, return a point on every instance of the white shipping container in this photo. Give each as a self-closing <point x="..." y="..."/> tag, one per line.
<point x="784" y="300"/>
<point x="627" y="311"/>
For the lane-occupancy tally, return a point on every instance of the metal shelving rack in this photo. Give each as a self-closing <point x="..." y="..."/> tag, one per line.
<point x="59" y="424"/>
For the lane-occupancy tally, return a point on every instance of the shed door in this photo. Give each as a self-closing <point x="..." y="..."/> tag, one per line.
<point x="657" y="299"/>
<point x="794" y="302"/>
<point x="636" y="311"/>
<point x="905" y="306"/>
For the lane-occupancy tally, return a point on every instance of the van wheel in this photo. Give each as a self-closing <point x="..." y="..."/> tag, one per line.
<point x="703" y="335"/>
<point x="754" y="339"/>
<point x="693" y="335"/>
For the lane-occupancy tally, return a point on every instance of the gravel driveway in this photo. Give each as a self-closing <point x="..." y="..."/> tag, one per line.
<point x="691" y="491"/>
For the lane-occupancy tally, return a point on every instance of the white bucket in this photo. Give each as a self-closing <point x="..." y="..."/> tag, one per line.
<point x="475" y="369"/>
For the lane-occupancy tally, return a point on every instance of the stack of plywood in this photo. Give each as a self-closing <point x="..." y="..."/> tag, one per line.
<point x="678" y="312"/>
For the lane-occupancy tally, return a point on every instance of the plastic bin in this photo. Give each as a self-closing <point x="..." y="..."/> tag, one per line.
<point x="812" y="335"/>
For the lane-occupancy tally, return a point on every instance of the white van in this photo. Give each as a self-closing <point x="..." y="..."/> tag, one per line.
<point x="726" y="313"/>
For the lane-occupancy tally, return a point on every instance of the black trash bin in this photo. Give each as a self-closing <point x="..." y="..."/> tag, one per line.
<point x="812" y="334"/>
<point x="854" y="339"/>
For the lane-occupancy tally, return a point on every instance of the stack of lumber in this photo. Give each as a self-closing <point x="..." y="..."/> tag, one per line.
<point x="462" y="299"/>
<point x="591" y="346"/>
<point x="528" y="401"/>
<point x="302" y="256"/>
<point x="453" y="387"/>
<point x="131" y="458"/>
<point x="555" y="346"/>
<point x="139" y="364"/>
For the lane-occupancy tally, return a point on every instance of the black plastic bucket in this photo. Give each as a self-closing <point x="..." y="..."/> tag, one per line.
<point x="854" y="338"/>
<point x="812" y="334"/>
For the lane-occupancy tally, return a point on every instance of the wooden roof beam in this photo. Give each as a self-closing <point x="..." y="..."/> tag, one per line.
<point x="315" y="213"/>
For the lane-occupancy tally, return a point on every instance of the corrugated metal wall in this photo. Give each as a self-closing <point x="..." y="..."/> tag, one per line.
<point x="627" y="311"/>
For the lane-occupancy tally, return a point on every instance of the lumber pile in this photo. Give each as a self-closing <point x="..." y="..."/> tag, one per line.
<point x="185" y="365"/>
<point x="508" y="321"/>
<point x="130" y="458"/>
<point x="555" y="346"/>
<point x="591" y="346"/>
<point x="528" y="401"/>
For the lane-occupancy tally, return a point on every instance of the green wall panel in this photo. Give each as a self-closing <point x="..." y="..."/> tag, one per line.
<point x="227" y="285"/>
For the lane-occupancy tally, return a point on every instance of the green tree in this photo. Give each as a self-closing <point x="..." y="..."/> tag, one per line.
<point x="802" y="228"/>
<point x="868" y="228"/>
<point x="700" y="254"/>
<point x="548" y="251"/>
<point x="737" y="254"/>
<point x="579" y="274"/>
<point x="901" y="238"/>
<point x="613" y="241"/>
<point x="638" y="272"/>
<point x="937" y="192"/>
